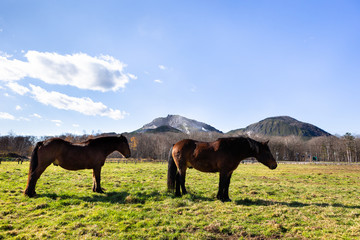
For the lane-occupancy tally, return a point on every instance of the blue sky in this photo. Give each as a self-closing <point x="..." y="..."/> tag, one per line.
<point x="113" y="66"/>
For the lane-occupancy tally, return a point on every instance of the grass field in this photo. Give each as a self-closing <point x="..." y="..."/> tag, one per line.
<point x="291" y="202"/>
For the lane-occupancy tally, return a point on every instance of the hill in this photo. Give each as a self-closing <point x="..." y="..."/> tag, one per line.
<point x="282" y="126"/>
<point x="162" y="129"/>
<point x="171" y="123"/>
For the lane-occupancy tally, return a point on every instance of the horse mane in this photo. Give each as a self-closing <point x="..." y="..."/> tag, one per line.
<point x="103" y="139"/>
<point x="253" y="144"/>
<point x="96" y="140"/>
<point x="237" y="139"/>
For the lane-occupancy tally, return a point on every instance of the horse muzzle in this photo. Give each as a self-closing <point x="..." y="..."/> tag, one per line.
<point x="274" y="166"/>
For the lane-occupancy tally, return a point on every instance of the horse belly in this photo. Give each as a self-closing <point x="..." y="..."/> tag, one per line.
<point x="75" y="163"/>
<point x="71" y="167"/>
<point x="206" y="169"/>
<point x="204" y="165"/>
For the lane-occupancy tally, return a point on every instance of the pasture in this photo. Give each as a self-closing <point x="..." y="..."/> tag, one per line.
<point x="291" y="202"/>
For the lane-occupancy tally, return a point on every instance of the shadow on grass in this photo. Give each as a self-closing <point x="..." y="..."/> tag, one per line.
<point x="106" y="197"/>
<point x="260" y="202"/>
<point x="195" y="197"/>
<point x="123" y="197"/>
<point x="110" y="197"/>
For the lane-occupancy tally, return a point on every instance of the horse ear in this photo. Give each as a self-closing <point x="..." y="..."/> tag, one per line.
<point x="267" y="142"/>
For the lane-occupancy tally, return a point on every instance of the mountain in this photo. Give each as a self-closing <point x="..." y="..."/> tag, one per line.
<point x="163" y="129"/>
<point x="175" y="122"/>
<point x="282" y="126"/>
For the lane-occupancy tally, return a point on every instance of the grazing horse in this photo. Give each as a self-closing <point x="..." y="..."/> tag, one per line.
<point x="90" y="154"/>
<point x="222" y="155"/>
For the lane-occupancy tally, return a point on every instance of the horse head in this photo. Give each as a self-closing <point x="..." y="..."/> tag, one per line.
<point x="123" y="147"/>
<point x="265" y="156"/>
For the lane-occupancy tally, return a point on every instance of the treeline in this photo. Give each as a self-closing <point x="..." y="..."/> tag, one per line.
<point x="20" y="145"/>
<point x="12" y="145"/>
<point x="333" y="149"/>
<point x="292" y="148"/>
<point x="156" y="146"/>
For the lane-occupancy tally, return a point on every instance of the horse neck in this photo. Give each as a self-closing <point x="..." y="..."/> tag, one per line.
<point x="246" y="149"/>
<point x="107" y="146"/>
<point x="253" y="148"/>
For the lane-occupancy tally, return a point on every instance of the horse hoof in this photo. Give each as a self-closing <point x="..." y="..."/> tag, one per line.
<point x="29" y="194"/>
<point x="226" y="200"/>
<point x="100" y="191"/>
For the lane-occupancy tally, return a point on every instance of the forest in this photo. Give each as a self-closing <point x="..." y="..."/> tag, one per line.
<point x="156" y="146"/>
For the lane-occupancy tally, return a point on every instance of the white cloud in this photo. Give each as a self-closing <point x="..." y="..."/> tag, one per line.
<point x="36" y="115"/>
<point x="132" y="76"/>
<point x="57" y="122"/>
<point x="76" y="125"/>
<point x="4" y="54"/>
<point x="104" y="73"/>
<point x="12" y="70"/>
<point x="18" y="107"/>
<point x="162" y="67"/>
<point x="24" y="119"/>
<point x="7" y="116"/>
<point x="17" y="88"/>
<point x="83" y="105"/>
<point x="158" y="81"/>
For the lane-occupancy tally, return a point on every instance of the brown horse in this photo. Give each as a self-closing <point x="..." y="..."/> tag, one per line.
<point x="222" y="155"/>
<point x="90" y="154"/>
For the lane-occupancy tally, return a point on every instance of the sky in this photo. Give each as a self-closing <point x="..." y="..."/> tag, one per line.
<point x="85" y="67"/>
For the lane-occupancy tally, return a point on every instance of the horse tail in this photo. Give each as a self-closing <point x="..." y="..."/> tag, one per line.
<point x="172" y="169"/>
<point x="34" y="162"/>
<point x="34" y="158"/>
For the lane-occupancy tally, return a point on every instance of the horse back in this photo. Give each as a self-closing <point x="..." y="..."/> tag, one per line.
<point x="199" y="155"/>
<point x="67" y="155"/>
<point x="205" y="156"/>
<point x="183" y="149"/>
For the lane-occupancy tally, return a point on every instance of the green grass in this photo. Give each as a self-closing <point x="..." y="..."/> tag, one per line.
<point x="291" y="202"/>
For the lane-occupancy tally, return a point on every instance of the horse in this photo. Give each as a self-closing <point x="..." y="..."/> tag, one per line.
<point x="20" y="160"/>
<point x="90" y="154"/>
<point x="222" y="155"/>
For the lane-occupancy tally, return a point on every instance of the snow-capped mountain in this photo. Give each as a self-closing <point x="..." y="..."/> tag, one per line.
<point x="178" y="122"/>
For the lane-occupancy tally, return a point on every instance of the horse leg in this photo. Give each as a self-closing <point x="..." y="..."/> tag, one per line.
<point x="182" y="176"/>
<point x="177" y="184"/>
<point x="34" y="177"/>
<point x="223" y="193"/>
<point x="226" y="188"/>
<point x="221" y="186"/>
<point x="96" y="180"/>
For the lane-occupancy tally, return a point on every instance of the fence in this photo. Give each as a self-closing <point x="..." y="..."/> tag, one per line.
<point x="134" y="160"/>
<point x="304" y="163"/>
<point x="145" y="160"/>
